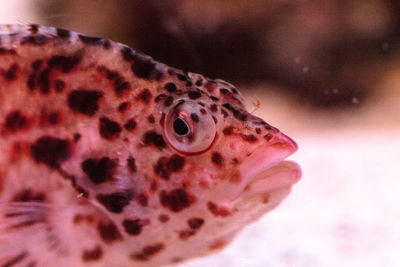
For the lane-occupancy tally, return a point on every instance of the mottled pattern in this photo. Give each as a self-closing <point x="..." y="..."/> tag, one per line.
<point x="114" y="159"/>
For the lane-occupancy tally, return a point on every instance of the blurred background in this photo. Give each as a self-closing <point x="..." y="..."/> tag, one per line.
<point x="327" y="73"/>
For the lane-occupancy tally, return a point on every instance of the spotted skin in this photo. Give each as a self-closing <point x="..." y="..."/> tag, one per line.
<point x="89" y="175"/>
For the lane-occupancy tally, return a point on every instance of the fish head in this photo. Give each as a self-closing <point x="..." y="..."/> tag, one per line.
<point x="231" y="156"/>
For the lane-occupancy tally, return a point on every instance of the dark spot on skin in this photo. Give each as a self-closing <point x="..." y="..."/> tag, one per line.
<point x="128" y="54"/>
<point x="143" y="68"/>
<point x="16" y="121"/>
<point x="223" y="91"/>
<point x="12" y="72"/>
<point x="168" y="101"/>
<point x="240" y="116"/>
<point x="4" y="51"/>
<point x="121" y="85"/>
<point x="130" y="125"/>
<point x="268" y="136"/>
<point x="267" y="126"/>
<point x="160" y="168"/>
<point x="159" y="97"/>
<point x="163" y="218"/>
<point x="50" y="150"/>
<point x="228" y="130"/>
<point x="235" y="161"/>
<point x="44" y="81"/>
<point x="77" y="136"/>
<point x="27" y="195"/>
<point x="182" y="77"/>
<point x="84" y="101"/>
<point x="175" y="163"/>
<point x="165" y="166"/>
<point x="89" y="40"/>
<point x="36" y="64"/>
<point x="217" y="211"/>
<point x="236" y="113"/>
<point x="213" y="98"/>
<point x="59" y="86"/>
<point x="93" y="254"/>
<point x="151" y="119"/>
<point x="80" y="218"/>
<point x="162" y="119"/>
<point x="258" y="130"/>
<point x="217" y="159"/>
<point x="99" y="170"/>
<point x="143" y="199"/>
<point x="37" y="40"/>
<point x="153" y="138"/>
<point x="144" y="96"/>
<point x="132" y="227"/>
<point x="53" y="118"/>
<point x="115" y="202"/>
<point x="147" y="252"/>
<point x="176" y="200"/>
<point x="109" y="129"/>
<point x="195" y="223"/>
<point x="194" y="94"/>
<point x="194" y="117"/>
<point x="31" y="82"/>
<point x="224" y="113"/>
<point x="218" y="244"/>
<point x="131" y="165"/>
<point x="203" y="111"/>
<point x="185" y="234"/>
<point x="214" y="108"/>
<point x="64" y="63"/>
<point x="170" y="87"/>
<point x="108" y="232"/>
<point x="153" y="186"/>
<point x="123" y="106"/>
<point x="62" y="33"/>
<point x="199" y="83"/>
<point x="15" y="260"/>
<point x="250" y="138"/>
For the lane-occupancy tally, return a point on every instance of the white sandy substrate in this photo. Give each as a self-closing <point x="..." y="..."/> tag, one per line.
<point x="344" y="212"/>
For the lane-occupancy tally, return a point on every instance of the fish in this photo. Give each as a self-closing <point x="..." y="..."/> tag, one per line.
<point x="111" y="158"/>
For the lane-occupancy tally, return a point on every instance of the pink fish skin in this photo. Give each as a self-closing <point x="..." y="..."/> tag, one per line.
<point x="110" y="158"/>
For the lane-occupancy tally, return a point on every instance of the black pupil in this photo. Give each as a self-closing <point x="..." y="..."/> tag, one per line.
<point x="180" y="127"/>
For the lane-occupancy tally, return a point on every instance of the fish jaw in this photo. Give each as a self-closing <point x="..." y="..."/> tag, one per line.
<point x="266" y="170"/>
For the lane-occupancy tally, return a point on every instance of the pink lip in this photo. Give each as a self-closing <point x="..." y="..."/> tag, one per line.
<point x="265" y="169"/>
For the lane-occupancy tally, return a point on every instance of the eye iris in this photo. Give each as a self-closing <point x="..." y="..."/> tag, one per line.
<point x="180" y="127"/>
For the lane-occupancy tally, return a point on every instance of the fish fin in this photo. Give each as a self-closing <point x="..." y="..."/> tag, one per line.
<point x="22" y="224"/>
<point x="30" y="235"/>
<point x="36" y="233"/>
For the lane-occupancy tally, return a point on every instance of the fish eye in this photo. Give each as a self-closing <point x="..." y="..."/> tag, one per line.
<point x="180" y="127"/>
<point x="189" y="130"/>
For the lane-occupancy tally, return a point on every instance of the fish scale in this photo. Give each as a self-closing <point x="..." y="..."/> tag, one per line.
<point x="111" y="158"/>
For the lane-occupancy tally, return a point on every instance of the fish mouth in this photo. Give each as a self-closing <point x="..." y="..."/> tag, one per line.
<point x="266" y="169"/>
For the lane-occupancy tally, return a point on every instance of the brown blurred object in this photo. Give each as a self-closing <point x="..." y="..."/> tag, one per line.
<point x="326" y="53"/>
